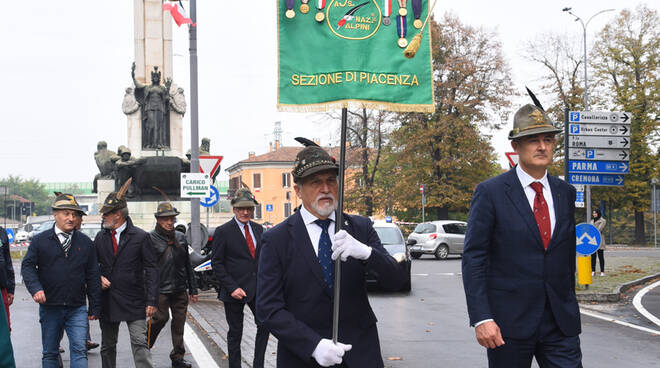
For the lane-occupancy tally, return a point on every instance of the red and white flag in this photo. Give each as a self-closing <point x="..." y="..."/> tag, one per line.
<point x="178" y="13"/>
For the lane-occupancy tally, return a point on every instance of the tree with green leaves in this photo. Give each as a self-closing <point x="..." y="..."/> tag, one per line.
<point x="29" y="189"/>
<point x="445" y="150"/>
<point x="625" y="60"/>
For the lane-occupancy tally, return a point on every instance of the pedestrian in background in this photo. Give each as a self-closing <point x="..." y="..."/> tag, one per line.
<point x="236" y="250"/>
<point x="60" y="267"/>
<point x="129" y="278"/>
<point x="177" y="282"/>
<point x="519" y="256"/>
<point x="599" y="222"/>
<point x="7" y="282"/>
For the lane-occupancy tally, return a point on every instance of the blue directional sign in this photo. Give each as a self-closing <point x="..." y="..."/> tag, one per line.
<point x="598" y="167"/>
<point x="579" y="197"/>
<point x="10" y="235"/>
<point x="269" y="208"/>
<point x="211" y="200"/>
<point x="587" y="238"/>
<point x="596" y="179"/>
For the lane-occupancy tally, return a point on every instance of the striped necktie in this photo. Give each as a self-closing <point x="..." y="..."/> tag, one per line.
<point x="66" y="244"/>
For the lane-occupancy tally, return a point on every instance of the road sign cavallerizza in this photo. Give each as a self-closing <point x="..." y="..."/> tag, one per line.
<point x="598" y="147"/>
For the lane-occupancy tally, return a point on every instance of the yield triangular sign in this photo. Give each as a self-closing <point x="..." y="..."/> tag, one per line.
<point x="209" y="164"/>
<point x="512" y="157"/>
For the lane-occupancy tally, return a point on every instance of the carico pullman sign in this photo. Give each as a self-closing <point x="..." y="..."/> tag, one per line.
<point x="349" y="53"/>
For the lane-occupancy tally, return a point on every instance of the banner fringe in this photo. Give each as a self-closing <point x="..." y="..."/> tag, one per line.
<point x="357" y="104"/>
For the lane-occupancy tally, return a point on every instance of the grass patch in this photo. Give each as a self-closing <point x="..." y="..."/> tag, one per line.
<point x="620" y="270"/>
<point x="15" y="254"/>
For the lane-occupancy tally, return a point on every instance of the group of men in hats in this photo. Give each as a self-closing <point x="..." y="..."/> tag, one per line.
<point x="518" y="270"/>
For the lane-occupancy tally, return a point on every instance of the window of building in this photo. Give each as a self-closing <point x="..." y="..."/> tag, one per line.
<point x="256" y="181"/>
<point x="286" y="180"/>
<point x="234" y="184"/>
<point x="288" y="196"/>
<point x="257" y="212"/>
<point x="287" y="209"/>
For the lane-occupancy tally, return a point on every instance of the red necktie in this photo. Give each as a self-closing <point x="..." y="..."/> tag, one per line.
<point x="541" y="213"/>
<point x="114" y="242"/>
<point x="248" y="239"/>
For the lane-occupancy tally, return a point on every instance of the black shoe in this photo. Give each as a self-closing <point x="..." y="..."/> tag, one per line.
<point x="91" y="345"/>
<point x="181" y="364"/>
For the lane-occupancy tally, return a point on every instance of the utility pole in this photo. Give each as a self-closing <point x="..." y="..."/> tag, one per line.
<point x="422" y="189"/>
<point x="587" y="188"/>
<point x="654" y="181"/>
<point x="194" y="127"/>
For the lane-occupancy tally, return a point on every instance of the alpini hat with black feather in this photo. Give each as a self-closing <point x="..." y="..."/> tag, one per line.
<point x="165" y="209"/>
<point x="311" y="160"/>
<point x="531" y="119"/>
<point x="116" y="200"/>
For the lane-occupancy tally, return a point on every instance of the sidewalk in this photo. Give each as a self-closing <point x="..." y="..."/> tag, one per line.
<point x="209" y="313"/>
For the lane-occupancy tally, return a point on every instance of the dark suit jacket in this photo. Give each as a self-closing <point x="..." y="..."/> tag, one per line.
<point x="507" y="274"/>
<point x="133" y="274"/>
<point x="232" y="262"/>
<point x="295" y="304"/>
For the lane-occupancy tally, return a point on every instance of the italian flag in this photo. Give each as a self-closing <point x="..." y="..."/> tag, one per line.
<point x="178" y="13"/>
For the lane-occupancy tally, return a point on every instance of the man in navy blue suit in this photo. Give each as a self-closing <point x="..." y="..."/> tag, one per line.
<point x="519" y="256"/>
<point x="295" y="276"/>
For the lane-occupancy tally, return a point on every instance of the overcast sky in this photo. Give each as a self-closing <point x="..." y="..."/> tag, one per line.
<point x="65" y="66"/>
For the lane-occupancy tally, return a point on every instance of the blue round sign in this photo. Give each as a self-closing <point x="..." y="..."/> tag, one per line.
<point x="587" y="238"/>
<point x="211" y="200"/>
<point x="10" y="235"/>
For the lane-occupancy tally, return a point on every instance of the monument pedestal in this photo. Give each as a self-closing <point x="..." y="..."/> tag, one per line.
<point x="103" y="188"/>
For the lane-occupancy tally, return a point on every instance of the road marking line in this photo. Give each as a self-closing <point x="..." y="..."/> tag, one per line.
<point x="420" y="274"/>
<point x="610" y="319"/>
<point x="637" y="302"/>
<point x="197" y="349"/>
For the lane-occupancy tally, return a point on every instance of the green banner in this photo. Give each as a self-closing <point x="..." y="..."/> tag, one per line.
<point x="350" y="54"/>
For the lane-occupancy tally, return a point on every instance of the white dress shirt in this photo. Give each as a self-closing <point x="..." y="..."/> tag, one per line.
<point x="59" y="232"/>
<point x="119" y="231"/>
<point x="526" y="180"/>
<point x="242" y="227"/>
<point x="314" y="230"/>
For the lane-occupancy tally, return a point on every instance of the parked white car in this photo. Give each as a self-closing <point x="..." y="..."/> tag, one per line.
<point x="21" y="236"/>
<point x="440" y="238"/>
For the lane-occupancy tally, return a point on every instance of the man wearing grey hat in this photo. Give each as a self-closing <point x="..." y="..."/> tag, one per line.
<point x="296" y="275"/>
<point x="129" y="278"/>
<point x="236" y="252"/>
<point x="177" y="282"/>
<point x="60" y="270"/>
<point x="519" y="256"/>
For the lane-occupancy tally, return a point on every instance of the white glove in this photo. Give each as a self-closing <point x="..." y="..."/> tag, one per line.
<point x="327" y="353"/>
<point x="345" y="246"/>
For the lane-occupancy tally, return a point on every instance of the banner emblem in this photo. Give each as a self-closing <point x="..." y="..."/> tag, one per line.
<point x="353" y="20"/>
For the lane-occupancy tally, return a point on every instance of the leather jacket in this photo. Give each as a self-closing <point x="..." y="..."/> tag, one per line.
<point x="176" y="273"/>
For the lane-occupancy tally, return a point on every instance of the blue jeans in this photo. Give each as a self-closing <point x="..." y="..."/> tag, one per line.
<point x="54" y="321"/>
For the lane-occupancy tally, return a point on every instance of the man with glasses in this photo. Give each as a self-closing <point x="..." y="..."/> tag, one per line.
<point x="236" y="249"/>
<point x="59" y="270"/>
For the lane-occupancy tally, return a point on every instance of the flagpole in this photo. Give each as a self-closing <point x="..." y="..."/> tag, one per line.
<point x="194" y="126"/>
<point x="340" y="221"/>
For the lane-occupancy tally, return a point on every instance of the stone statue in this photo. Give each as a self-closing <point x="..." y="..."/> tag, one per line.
<point x="185" y="162"/>
<point x="205" y="148"/>
<point x="130" y="104"/>
<point x="124" y="169"/>
<point x="154" y="102"/>
<point x="105" y="161"/>
<point x="178" y="100"/>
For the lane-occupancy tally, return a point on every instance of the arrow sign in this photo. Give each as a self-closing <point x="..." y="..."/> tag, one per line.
<point x="596" y="179"/>
<point x="195" y="185"/>
<point x="599" y="117"/>
<point x="597" y="167"/>
<point x="587" y="238"/>
<point x="599" y="129"/>
<point x="598" y="154"/>
<point x="209" y="164"/>
<point x="598" y="142"/>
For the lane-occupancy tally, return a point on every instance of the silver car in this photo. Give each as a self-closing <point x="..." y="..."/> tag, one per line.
<point x="440" y="238"/>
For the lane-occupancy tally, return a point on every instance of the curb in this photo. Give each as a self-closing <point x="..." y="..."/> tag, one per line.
<point x="616" y="295"/>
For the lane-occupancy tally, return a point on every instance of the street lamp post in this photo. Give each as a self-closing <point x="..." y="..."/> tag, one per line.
<point x="587" y="189"/>
<point x="654" y="181"/>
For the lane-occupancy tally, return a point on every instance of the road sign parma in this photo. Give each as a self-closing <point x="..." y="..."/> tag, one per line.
<point x="598" y="167"/>
<point x="587" y="238"/>
<point x="600" y="154"/>
<point x="596" y="179"/>
<point x="195" y="185"/>
<point x="599" y="117"/>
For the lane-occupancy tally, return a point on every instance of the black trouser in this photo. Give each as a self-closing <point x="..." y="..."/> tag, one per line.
<point x="178" y="303"/>
<point x="601" y="259"/>
<point x="234" y="315"/>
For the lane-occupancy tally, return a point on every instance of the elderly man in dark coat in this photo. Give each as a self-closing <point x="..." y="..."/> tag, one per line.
<point x="129" y="278"/>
